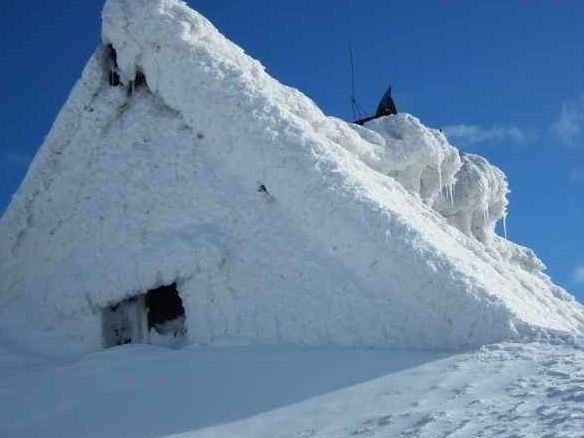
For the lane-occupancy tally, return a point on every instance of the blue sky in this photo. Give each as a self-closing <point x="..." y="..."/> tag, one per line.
<point x="505" y="78"/>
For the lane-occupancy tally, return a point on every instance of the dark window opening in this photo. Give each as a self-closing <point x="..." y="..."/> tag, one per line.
<point x="156" y="317"/>
<point x="112" y="66"/>
<point x="138" y="82"/>
<point x="166" y="314"/>
<point x="140" y="79"/>
<point x="113" y="72"/>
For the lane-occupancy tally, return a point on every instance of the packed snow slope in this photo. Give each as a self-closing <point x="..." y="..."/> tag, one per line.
<point x="278" y="224"/>
<point x="140" y="391"/>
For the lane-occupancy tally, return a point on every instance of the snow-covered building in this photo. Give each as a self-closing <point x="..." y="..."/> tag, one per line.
<point x="183" y="194"/>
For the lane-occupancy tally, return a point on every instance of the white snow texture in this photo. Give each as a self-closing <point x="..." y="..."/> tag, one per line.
<point x="279" y="224"/>
<point x="521" y="390"/>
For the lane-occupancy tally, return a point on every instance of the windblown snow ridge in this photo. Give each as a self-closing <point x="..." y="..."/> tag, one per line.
<point x="278" y="224"/>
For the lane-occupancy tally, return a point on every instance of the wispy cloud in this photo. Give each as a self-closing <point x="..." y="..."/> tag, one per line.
<point x="477" y="135"/>
<point x="578" y="275"/>
<point x="569" y="127"/>
<point x="577" y="175"/>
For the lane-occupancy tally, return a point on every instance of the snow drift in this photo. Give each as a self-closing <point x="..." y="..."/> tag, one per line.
<point x="277" y="224"/>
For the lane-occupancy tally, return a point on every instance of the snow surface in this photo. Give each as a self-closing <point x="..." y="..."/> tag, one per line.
<point x="503" y="390"/>
<point x="278" y="224"/>
<point x="506" y="390"/>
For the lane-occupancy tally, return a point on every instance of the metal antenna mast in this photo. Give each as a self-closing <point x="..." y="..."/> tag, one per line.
<point x="354" y="107"/>
<point x="357" y="110"/>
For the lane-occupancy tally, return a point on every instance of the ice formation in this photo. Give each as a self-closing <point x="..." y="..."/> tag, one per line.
<point x="420" y="158"/>
<point x="184" y="162"/>
<point x="480" y="198"/>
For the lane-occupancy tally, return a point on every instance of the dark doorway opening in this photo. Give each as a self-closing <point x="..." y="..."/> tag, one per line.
<point x="166" y="314"/>
<point x="156" y="317"/>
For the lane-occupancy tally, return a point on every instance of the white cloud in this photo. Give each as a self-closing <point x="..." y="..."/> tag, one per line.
<point x="569" y="127"/>
<point x="577" y="175"/>
<point x="476" y="134"/>
<point x="578" y="275"/>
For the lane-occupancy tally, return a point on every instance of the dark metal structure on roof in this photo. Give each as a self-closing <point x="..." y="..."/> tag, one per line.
<point x="386" y="107"/>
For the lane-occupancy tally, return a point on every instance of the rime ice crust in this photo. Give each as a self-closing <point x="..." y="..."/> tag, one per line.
<point x="420" y="158"/>
<point x="347" y="245"/>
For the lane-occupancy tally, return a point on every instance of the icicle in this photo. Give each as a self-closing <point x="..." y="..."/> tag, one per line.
<point x="505" y="225"/>
<point x="450" y="193"/>
<point x="447" y="192"/>
<point x="439" y="168"/>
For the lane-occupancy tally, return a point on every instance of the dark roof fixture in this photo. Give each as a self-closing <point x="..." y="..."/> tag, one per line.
<point x="386" y="107"/>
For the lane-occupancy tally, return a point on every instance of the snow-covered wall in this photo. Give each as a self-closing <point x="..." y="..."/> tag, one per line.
<point x="279" y="224"/>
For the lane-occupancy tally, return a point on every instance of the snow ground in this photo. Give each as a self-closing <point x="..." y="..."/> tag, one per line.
<point x="519" y="390"/>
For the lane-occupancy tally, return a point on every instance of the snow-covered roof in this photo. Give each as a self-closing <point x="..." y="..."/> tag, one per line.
<point x="278" y="224"/>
